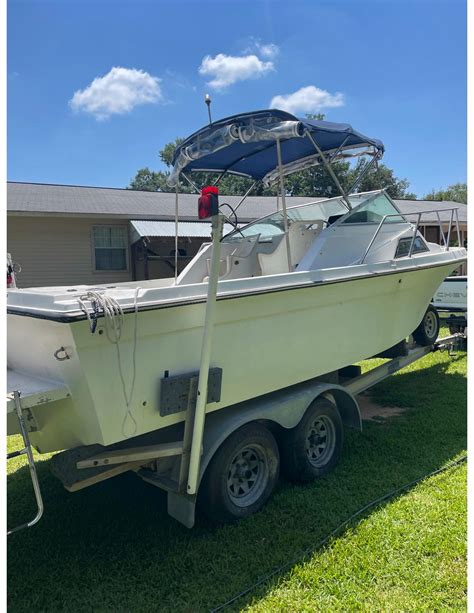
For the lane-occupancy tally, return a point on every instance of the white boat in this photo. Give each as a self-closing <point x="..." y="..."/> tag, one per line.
<point x="302" y="292"/>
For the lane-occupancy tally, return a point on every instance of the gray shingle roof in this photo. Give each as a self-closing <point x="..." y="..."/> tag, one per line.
<point x="409" y="206"/>
<point x="46" y="199"/>
<point x="36" y="198"/>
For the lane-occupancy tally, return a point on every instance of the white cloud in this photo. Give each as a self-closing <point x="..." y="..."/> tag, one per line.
<point x="228" y="69"/>
<point x="309" y="99"/>
<point x="117" y="92"/>
<point x="269" y="50"/>
<point x="266" y="50"/>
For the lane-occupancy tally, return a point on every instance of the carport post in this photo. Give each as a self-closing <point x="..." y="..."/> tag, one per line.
<point x="201" y="400"/>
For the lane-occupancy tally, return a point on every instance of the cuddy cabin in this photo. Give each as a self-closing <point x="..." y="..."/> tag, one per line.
<point x="321" y="235"/>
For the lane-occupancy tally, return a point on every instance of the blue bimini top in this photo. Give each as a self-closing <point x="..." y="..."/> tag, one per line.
<point x="245" y="145"/>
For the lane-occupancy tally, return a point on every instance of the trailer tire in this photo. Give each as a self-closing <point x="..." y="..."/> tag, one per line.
<point x="428" y="330"/>
<point x="314" y="446"/>
<point x="241" y="476"/>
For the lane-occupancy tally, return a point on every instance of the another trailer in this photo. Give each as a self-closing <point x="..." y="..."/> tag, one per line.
<point x="298" y="431"/>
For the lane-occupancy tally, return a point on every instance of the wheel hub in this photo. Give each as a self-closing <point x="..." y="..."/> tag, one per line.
<point x="430" y="324"/>
<point x="316" y="439"/>
<point x="247" y="475"/>
<point x="243" y="471"/>
<point x="320" y="441"/>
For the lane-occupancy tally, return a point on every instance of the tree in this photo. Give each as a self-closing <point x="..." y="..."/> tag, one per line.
<point x="382" y="177"/>
<point x="155" y="181"/>
<point x="166" y="154"/>
<point x="147" y="180"/>
<point x="456" y="192"/>
<point x="316" y="182"/>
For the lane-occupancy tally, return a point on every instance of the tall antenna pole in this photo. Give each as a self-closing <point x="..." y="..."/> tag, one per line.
<point x="207" y="100"/>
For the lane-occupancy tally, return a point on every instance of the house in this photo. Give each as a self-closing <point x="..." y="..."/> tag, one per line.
<point x="66" y="234"/>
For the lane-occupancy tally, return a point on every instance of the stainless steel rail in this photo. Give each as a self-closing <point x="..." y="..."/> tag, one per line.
<point x="31" y="465"/>
<point x="419" y="215"/>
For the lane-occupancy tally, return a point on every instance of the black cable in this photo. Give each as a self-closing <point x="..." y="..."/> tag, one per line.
<point x="302" y="554"/>
<point x="233" y="223"/>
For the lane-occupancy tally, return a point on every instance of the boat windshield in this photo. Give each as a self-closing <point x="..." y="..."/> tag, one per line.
<point x="372" y="208"/>
<point x="273" y="225"/>
<point x="367" y="208"/>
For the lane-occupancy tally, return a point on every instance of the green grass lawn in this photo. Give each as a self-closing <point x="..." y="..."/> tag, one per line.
<point x="112" y="547"/>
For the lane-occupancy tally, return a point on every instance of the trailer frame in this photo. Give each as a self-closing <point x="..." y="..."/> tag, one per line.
<point x="163" y="458"/>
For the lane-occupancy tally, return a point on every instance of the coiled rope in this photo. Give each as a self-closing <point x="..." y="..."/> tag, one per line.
<point x="114" y="317"/>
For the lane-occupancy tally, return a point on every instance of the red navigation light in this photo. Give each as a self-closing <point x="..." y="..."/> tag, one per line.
<point x="208" y="203"/>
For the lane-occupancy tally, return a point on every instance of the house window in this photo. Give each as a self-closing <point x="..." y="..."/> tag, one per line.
<point x="110" y="247"/>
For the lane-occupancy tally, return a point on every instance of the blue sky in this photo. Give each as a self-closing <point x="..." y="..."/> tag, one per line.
<point x="395" y="70"/>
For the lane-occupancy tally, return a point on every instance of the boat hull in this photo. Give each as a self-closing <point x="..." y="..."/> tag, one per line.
<point x="262" y="342"/>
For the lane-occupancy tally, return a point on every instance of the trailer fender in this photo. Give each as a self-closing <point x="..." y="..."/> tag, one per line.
<point x="284" y="408"/>
<point x="348" y="407"/>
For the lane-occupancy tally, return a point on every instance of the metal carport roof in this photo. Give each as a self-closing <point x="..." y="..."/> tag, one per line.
<point x="192" y="229"/>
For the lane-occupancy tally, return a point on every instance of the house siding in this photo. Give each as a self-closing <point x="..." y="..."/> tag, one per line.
<point x="58" y="251"/>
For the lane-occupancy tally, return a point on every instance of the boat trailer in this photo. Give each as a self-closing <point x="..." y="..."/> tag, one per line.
<point x="162" y="461"/>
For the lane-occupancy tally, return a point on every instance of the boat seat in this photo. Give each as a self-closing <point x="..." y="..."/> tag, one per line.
<point x="300" y="239"/>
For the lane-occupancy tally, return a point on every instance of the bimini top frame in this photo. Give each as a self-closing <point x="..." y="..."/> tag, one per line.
<point x="246" y="145"/>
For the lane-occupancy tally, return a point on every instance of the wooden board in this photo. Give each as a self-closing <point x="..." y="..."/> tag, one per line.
<point x="63" y="466"/>
<point x="102" y="476"/>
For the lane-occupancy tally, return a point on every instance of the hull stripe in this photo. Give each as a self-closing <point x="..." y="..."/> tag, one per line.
<point x="80" y="316"/>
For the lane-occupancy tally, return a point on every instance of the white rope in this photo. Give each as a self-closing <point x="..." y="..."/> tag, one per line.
<point x="113" y="317"/>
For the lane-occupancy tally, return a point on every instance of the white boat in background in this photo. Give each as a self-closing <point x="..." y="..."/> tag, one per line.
<point x="299" y="293"/>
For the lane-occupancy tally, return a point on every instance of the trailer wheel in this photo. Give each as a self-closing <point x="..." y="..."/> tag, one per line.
<point x="242" y="474"/>
<point x="314" y="446"/>
<point x="428" y="330"/>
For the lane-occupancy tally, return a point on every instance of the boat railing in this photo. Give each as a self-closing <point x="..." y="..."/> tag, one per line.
<point x="419" y="214"/>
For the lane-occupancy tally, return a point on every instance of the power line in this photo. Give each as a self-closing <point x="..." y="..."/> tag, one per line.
<point x="303" y="554"/>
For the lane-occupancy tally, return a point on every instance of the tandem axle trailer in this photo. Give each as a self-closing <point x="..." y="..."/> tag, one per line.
<point x="298" y="430"/>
